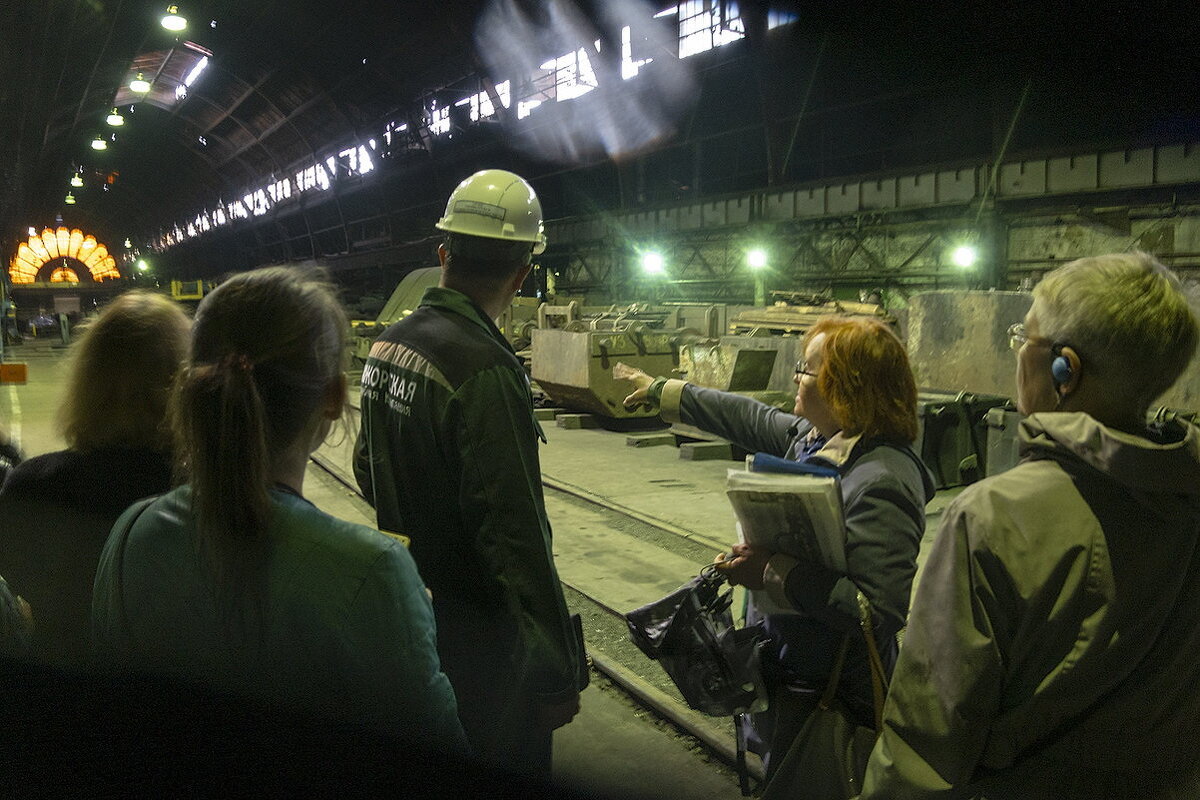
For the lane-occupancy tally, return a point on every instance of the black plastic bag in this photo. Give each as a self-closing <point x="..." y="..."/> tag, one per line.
<point x="690" y="633"/>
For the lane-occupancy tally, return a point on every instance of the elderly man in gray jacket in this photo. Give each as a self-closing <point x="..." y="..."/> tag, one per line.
<point x="1052" y="645"/>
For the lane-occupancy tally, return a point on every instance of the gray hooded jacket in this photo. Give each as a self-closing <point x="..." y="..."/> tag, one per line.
<point x="1052" y="646"/>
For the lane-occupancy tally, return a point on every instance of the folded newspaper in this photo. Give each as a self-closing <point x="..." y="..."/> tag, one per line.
<point x="796" y="514"/>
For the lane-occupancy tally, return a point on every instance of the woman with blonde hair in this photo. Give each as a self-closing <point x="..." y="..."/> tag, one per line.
<point x="238" y="583"/>
<point x="56" y="509"/>
<point x="855" y="414"/>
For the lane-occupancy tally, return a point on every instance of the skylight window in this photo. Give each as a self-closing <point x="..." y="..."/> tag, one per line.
<point x="195" y="72"/>
<point x="705" y="24"/>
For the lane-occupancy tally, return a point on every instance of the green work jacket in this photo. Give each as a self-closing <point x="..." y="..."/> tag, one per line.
<point x="447" y="453"/>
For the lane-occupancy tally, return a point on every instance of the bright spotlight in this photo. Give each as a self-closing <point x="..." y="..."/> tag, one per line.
<point x="652" y="263"/>
<point x="756" y="259"/>
<point x="172" y="21"/>
<point x="142" y="265"/>
<point x="964" y="256"/>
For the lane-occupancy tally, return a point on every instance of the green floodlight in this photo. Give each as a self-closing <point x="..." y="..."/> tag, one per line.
<point x="652" y="263"/>
<point x="756" y="258"/>
<point x="142" y="265"/>
<point x="964" y="256"/>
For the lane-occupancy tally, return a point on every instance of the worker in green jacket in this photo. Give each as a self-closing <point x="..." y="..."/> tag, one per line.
<point x="447" y="454"/>
<point x="1051" y="647"/>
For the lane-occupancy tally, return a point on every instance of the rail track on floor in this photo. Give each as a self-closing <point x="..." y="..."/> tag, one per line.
<point x="609" y="650"/>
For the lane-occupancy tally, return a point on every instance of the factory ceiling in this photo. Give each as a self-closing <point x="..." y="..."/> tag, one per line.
<point x="283" y="77"/>
<point x="251" y="89"/>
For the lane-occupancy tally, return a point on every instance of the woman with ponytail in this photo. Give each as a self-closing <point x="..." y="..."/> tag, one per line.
<point x="234" y="580"/>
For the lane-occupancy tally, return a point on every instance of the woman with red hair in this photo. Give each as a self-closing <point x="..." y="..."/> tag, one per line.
<point x="855" y="412"/>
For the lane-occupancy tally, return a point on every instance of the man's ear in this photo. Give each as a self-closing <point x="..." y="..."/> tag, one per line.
<point x="1076" y="375"/>
<point x="335" y="397"/>
<point x="520" y="277"/>
<point x="443" y="255"/>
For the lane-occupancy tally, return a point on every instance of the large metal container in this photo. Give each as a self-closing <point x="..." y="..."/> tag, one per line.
<point x="952" y="435"/>
<point x="762" y="367"/>
<point x="574" y="368"/>
<point x="958" y="339"/>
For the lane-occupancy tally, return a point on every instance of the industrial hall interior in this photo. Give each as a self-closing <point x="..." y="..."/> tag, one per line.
<point x="600" y="399"/>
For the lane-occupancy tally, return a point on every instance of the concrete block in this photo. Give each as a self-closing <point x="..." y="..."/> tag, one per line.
<point x="546" y="414"/>
<point x="715" y="214"/>
<point x="1178" y="164"/>
<point x="1127" y="168"/>
<point x="879" y="194"/>
<point x="1072" y="174"/>
<point x="956" y="185"/>
<point x="706" y="451"/>
<point x="1022" y="178"/>
<point x="577" y="421"/>
<point x="779" y="206"/>
<point x="689" y="218"/>
<point x="917" y="190"/>
<point x="650" y="440"/>
<point x="737" y="211"/>
<point x="958" y="339"/>
<point x="810" y="202"/>
<point x="843" y="198"/>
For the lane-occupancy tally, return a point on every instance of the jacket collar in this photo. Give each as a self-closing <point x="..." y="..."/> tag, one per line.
<point x="1165" y="460"/>
<point x="455" y="302"/>
<point x="839" y="449"/>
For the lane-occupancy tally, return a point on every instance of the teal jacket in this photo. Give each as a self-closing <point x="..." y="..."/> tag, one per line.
<point x="447" y="453"/>
<point x="347" y="630"/>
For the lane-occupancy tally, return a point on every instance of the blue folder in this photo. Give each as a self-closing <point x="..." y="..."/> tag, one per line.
<point x="765" y="462"/>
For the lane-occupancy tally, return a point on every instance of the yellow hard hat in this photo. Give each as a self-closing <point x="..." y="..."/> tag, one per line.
<point x="496" y="204"/>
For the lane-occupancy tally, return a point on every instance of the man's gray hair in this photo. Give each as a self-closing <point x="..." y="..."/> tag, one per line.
<point x="1127" y="317"/>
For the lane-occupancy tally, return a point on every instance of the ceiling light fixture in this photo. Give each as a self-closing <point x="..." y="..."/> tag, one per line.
<point x="964" y="256"/>
<point x="70" y="200"/>
<point x="76" y="181"/>
<point x="172" y="21"/>
<point x="99" y="144"/>
<point x="115" y="119"/>
<point x="139" y="84"/>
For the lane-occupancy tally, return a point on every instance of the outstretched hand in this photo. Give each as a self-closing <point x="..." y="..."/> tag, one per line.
<point x="640" y="380"/>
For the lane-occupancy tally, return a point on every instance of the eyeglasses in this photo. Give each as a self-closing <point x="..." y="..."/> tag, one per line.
<point x="1017" y="337"/>
<point x="802" y="369"/>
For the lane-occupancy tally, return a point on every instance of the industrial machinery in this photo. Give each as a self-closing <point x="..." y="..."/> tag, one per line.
<point x="572" y="363"/>
<point x="796" y="312"/>
<point x="953" y="434"/>
<point x="405" y="298"/>
<point x="575" y="348"/>
<point x="760" y="366"/>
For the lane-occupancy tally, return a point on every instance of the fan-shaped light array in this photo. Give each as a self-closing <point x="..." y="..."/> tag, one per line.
<point x="62" y="243"/>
